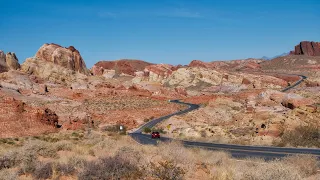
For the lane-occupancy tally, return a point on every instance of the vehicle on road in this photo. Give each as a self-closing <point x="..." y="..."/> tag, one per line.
<point x="155" y="135"/>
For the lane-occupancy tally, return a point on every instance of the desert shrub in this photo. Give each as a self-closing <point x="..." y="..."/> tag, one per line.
<point x="217" y="158"/>
<point x="41" y="148"/>
<point x="306" y="165"/>
<point x="8" y="174"/>
<point x="27" y="162"/>
<point x="147" y="130"/>
<point x="115" y="129"/>
<point x="175" y="151"/>
<point x="91" y="152"/>
<point x="76" y="162"/>
<point x="110" y="168"/>
<point x="306" y="136"/>
<point x="11" y="141"/>
<point x="65" y="169"/>
<point x="203" y="133"/>
<point x="223" y="173"/>
<point x="8" y="160"/>
<point x="49" y="138"/>
<point x="167" y="170"/>
<point x="63" y="146"/>
<point x="42" y="170"/>
<point x="270" y="171"/>
<point x="148" y="119"/>
<point x="160" y="130"/>
<point x="129" y="154"/>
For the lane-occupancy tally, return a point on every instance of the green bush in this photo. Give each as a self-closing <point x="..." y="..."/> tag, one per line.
<point x="147" y="130"/>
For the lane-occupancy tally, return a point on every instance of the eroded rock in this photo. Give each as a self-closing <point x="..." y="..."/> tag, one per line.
<point x="69" y="58"/>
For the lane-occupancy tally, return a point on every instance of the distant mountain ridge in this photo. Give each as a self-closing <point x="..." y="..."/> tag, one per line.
<point x="269" y="58"/>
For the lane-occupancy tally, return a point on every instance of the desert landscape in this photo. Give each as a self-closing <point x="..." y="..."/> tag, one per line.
<point x="60" y="120"/>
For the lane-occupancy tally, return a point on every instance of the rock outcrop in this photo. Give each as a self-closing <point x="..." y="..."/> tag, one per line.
<point x="51" y="72"/>
<point x="307" y="48"/>
<point x="8" y="61"/>
<point x="200" y="78"/>
<point x="124" y="66"/>
<point x="66" y="57"/>
<point x="21" y="119"/>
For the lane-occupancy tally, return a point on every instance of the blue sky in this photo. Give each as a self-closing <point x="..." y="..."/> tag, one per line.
<point x="164" y="31"/>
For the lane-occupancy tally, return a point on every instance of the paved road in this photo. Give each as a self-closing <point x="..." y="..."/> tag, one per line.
<point x="235" y="150"/>
<point x="302" y="77"/>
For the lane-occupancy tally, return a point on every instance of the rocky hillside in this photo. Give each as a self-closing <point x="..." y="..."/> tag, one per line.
<point x="234" y="65"/>
<point x="293" y="63"/>
<point x="307" y="48"/>
<point x="66" y="57"/>
<point x="124" y="66"/>
<point x="8" y="61"/>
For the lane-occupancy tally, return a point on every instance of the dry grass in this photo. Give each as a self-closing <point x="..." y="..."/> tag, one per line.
<point x="305" y="136"/>
<point x="96" y="155"/>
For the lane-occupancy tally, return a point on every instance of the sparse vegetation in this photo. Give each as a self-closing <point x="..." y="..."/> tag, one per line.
<point x="110" y="168"/>
<point x="97" y="156"/>
<point x="43" y="171"/>
<point x="167" y="170"/>
<point x="115" y="129"/>
<point x="305" y="136"/>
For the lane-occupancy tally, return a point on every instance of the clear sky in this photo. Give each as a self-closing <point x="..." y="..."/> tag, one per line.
<point x="159" y="31"/>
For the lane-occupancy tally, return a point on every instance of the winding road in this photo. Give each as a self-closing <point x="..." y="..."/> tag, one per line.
<point x="237" y="151"/>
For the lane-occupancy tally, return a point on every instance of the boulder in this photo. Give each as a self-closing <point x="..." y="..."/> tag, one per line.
<point x="66" y="57"/>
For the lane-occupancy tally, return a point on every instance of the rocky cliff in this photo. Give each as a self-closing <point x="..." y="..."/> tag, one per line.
<point x="307" y="48"/>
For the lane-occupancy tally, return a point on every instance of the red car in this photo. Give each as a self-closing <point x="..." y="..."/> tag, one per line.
<point x="155" y="135"/>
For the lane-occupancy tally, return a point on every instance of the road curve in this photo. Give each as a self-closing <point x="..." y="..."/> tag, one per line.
<point x="302" y="77"/>
<point x="237" y="151"/>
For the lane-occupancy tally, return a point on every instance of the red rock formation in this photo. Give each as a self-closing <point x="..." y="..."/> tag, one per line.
<point x="161" y="70"/>
<point x="121" y="66"/>
<point x="20" y="119"/>
<point x="288" y="78"/>
<point x="67" y="57"/>
<point x="48" y="117"/>
<point x="293" y="101"/>
<point x="307" y="48"/>
<point x="198" y="63"/>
